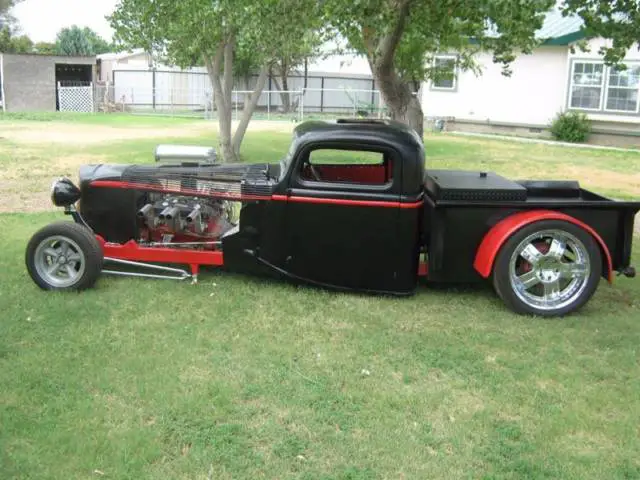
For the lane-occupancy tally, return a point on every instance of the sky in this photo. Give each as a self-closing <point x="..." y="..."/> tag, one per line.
<point x="42" y="19"/>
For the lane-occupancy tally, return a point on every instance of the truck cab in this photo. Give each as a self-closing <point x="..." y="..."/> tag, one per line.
<point x="346" y="207"/>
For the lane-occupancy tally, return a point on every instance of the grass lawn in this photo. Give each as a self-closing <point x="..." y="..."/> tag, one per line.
<point x="239" y="377"/>
<point x="114" y="119"/>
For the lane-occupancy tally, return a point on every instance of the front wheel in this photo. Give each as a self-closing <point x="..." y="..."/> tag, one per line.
<point x="549" y="268"/>
<point x="64" y="256"/>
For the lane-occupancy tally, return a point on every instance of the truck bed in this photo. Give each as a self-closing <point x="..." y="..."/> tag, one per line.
<point x="479" y="200"/>
<point x="456" y="187"/>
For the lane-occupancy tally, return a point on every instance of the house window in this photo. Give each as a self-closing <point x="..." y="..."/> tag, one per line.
<point x="444" y="73"/>
<point x="586" y="85"/>
<point x="622" y="89"/>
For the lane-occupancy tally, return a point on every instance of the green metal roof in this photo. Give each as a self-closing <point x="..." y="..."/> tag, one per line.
<point x="559" y="30"/>
<point x="555" y="30"/>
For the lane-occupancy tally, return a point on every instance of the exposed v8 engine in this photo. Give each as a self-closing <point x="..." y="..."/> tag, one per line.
<point x="184" y="218"/>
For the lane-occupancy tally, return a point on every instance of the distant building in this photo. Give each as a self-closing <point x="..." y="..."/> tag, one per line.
<point x="108" y="62"/>
<point x="28" y="82"/>
<point x="550" y="80"/>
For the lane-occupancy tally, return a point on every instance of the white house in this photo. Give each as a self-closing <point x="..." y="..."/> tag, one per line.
<point x="108" y="62"/>
<point x="550" y="80"/>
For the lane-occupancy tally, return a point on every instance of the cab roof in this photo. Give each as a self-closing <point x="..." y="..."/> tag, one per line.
<point x="352" y="128"/>
<point x="355" y="132"/>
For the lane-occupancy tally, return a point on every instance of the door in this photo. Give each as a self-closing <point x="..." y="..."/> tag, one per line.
<point x="342" y="216"/>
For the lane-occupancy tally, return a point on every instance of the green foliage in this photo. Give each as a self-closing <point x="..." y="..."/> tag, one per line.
<point x="76" y="41"/>
<point x="6" y="19"/>
<point x="45" y="48"/>
<point x="14" y="44"/>
<point x="617" y="20"/>
<point x="228" y="36"/>
<point x="572" y="127"/>
<point x="422" y="29"/>
<point x="188" y="30"/>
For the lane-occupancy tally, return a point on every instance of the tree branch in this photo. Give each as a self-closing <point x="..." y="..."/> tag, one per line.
<point x="249" y="107"/>
<point x="228" y="67"/>
<point x="389" y="43"/>
<point x="213" y="69"/>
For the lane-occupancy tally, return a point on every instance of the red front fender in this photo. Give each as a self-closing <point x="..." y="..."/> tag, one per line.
<point x="501" y="231"/>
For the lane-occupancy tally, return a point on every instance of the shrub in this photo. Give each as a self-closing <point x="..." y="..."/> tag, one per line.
<point x="571" y="127"/>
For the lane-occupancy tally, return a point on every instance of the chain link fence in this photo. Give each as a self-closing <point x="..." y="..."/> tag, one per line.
<point x="289" y="105"/>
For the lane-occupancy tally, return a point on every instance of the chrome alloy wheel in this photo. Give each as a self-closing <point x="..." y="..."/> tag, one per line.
<point x="549" y="269"/>
<point x="59" y="261"/>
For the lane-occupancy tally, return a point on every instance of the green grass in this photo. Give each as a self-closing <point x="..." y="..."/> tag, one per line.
<point x="246" y="378"/>
<point x="112" y="119"/>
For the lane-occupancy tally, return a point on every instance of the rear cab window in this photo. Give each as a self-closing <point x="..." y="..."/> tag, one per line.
<point x="343" y="166"/>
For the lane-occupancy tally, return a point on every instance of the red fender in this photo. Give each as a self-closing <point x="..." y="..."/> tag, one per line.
<point x="501" y="231"/>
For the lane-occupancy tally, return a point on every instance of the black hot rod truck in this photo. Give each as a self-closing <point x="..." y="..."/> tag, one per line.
<point x="350" y="207"/>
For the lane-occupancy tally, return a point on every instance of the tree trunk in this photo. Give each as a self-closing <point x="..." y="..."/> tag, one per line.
<point x="247" y="91"/>
<point x="403" y="104"/>
<point x="284" y="95"/>
<point x="248" y="110"/>
<point x="222" y="83"/>
<point x="306" y="72"/>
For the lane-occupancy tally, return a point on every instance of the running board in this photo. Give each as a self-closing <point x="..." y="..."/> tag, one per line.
<point x="180" y="274"/>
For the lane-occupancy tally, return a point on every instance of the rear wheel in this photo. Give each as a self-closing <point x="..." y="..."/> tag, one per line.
<point x="549" y="268"/>
<point x="64" y="256"/>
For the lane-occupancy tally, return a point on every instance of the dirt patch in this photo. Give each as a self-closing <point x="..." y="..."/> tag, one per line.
<point x="18" y="197"/>
<point x="79" y="134"/>
<point x="24" y="184"/>
<point x="25" y="187"/>
<point x="627" y="182"/>
<point x="270" y="126"/>
<point x="53" y="167"/>
<point x="70" y="134"/>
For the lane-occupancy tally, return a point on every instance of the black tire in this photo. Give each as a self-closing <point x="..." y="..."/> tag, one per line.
<point x="502" y="266"/>
<point x="77" y="237"/>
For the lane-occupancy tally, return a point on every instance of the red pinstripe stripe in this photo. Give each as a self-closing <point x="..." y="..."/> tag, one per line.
<point x="347" y="202"/>
<point x="282" y="198"/>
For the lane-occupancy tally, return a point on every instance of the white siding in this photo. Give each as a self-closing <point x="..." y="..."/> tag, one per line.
<point x="532" y="95"/>
<point x="594" y="45"/>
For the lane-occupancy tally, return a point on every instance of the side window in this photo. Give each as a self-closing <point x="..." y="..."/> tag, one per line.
<point x="344" y="166"/>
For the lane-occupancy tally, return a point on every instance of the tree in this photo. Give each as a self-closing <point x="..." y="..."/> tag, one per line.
<point x="400" y="39"/>
<point x="617" y="20"/>
<point x="220" y="32"/>
<point x="76" y="41"/>
<point x="6" y="19"/>
<point x="10" y="43"/>
<point x="98" y="44"/>
<point x="45" y="48"/>
<point x="22" y="44"/>
<point x="289" y="60"/>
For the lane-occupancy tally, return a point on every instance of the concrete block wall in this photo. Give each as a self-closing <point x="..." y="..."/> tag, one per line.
<point x="30" y="80"/>
<point x="29" y="83"/>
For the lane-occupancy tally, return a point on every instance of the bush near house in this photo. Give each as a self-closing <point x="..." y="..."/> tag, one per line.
<point x="572" y="127"/>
